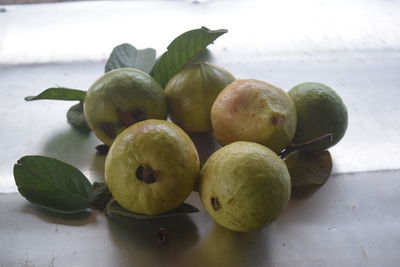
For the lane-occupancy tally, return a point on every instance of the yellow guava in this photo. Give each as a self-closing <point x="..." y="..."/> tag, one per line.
<point x="255" y="111"/>
<point x="121" y="98"/>
<point x="191" y="93"/>
<point x="244" y="186"/>
<point x="152" y="167"/>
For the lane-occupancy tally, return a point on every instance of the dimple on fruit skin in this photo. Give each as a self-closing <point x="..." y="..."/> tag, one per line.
<point x="152" y="167"/>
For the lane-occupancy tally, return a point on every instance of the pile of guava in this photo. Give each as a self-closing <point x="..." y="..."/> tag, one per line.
<point x="270" y="140"/>
<point x="153" y="165"/>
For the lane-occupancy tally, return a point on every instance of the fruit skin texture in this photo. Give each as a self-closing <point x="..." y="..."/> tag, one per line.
<point x="255" y="111"/>
<point x="191" y="93"/>
<point x="320" y="111"/>
<point x="251" y="185"/>
<point x="164" y="148"/>
<point x="119" y="91"/>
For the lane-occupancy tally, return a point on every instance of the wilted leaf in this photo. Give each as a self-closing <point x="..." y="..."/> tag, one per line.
<point x="307" y="169"/>
<point x="127" y="56"/>
<point x="76" y="117"/>
<point x="115" y="208"/>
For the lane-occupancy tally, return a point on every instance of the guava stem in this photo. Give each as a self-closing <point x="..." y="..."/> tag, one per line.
<point x="293" y="147"/>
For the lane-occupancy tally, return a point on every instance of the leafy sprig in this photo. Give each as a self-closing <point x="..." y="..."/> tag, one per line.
<point x="180" y="52"/>
<point x="60" y="187"/>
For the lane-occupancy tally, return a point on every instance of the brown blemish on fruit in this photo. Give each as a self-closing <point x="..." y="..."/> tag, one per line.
<point x="278" y="120"/>
<point x="108" y="129"/>
<point x="145" y="174"/>
<point x="215" y="203"/>
<point x="238" y="101"/>
<point x="128" y="118"/>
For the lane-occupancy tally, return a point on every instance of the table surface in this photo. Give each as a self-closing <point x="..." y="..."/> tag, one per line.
<point x="354" y="47"/>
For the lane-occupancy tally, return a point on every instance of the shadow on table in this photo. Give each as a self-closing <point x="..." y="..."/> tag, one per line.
<point x="70" y="144"/>
<point x="76" y="219"/>
<point x="222" y="247"/>
<point x="303" y="192"/>
<point x="139" y="241"/>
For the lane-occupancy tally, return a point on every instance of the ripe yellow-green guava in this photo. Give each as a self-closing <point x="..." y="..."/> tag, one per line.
<point x="121" y="98"/>
<point x="255" y="111"/>
<point x="191" y="93"/>
<point x="320" y="111"/>
<point x="244" y="186"/>
<point x="152" y="167"/>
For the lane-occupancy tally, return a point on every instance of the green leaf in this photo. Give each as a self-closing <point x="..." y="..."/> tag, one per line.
<point x="181" y="51"/>
<point x="115" y="208"/>
<point x="53" y="184"/>
<point x="308" y="169"/>
<point x="59" y="93"/>
<point x="76" y="117"/>
<point x="127" y="56"/>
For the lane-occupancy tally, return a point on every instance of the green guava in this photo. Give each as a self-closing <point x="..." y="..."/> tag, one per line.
<point x="121" y="98"/>
<point x="255" y="111"/>
<point x="191" y="93"/>
<point x="244" y="186"/>
<point x="152" y="167"/>
<point x="320" y="111"/>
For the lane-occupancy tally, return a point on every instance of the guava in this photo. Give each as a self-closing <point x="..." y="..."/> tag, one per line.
<point x="152" y="167"/>
<point x="191" y="93"/>
<point x="320" y="111"/>
<point x="255" y="111"/>
<point x="244" y="186"/>
<point x="121" y="98"/>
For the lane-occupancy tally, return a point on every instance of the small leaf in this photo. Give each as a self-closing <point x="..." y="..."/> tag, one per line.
<point x="76" y="117"/>
<point x="102" y="195"/>
<point x="102" y="150"/>
<point x="127" y="56"/>
<point x="181" y="51"/>
<point x="100" y="188"/>
<point x="59" y="93"/>
<point x="53" y="184"/>
<point x="307" y="169"/>
<point x="115" y="208"/>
